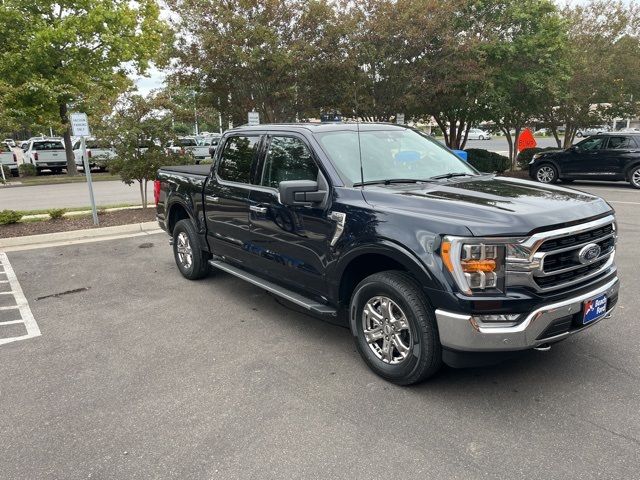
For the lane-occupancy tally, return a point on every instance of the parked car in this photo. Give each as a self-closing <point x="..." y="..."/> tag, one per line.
<point x="182" y="145"/>
<point x="384" y="230"/>
<point x="587" y="132"/>
<point x="610" y="156"/>
<point x="9" y="142"/>
<point x="99" y="153"/>
<point x="46" y="153"/>
<point x="9" y="159"/>
<point x="477" y="134"/>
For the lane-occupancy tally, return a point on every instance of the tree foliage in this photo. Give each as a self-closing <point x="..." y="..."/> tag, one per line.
<point x="139" y="130"/>
<point x="73" y="55"/>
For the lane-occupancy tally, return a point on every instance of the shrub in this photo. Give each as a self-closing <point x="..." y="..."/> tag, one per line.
<point x="27" y="170"/>
<point x="525" y="156"/>
<point x="487" y="161"/>
<point x="9" y="216"/>
<point x="56" y="213"/>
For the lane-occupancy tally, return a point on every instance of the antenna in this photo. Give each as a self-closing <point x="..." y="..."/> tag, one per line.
<point x="355" y="99"/>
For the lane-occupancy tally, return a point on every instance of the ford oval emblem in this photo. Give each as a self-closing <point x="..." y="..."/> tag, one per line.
<point x="589" y="253"/>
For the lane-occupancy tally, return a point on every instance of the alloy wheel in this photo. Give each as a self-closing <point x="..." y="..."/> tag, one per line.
<point x="635" y="178"/>
<point x="546" y="174"/>
<point x="386" y="330"/>
<point x="185" y="253"/>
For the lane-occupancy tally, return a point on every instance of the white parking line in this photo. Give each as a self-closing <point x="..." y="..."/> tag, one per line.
<point x="22" y="306"/>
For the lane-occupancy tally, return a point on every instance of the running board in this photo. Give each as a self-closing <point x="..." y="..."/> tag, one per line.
<point x="293" y="297"/>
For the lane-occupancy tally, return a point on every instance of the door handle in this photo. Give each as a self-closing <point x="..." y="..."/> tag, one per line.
<point x="212" y="199"/>
<point x="257" y="209"/>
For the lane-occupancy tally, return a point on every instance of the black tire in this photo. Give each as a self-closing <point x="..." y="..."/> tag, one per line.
<point x="198" y="267"/>
<point x="579" y="134"/>
<point x="424" y="356"/>
<point x="634" y="176"/>
<point x="546" y="173"/>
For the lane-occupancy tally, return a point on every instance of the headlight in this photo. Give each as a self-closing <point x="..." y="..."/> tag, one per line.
<point x="476" y="265"/>
<point x="534" y="158"/>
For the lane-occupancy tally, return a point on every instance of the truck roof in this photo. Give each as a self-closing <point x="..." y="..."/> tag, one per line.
<point x="318" y="127"/>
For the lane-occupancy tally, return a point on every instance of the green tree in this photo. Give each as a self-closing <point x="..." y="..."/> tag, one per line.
<point x="603" y="57"/>
<point x="62" y="56"/>
<point x="526" y="58"/>
<point x="139" y="130"/>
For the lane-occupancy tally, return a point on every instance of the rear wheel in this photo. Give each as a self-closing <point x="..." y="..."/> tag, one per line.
<point x="191" y="259"/>
<point x="579" y="134"/>
<point x="546" y="173"/>
<point x="394" y="328"/>
<point x="634" y="177"/>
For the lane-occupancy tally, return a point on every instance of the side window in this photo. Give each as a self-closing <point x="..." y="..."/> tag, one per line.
<point x="237" y="157"/>
<point x="619" y="143"/>
<point x="287" y="159"/>
<point x="592" y="143"/>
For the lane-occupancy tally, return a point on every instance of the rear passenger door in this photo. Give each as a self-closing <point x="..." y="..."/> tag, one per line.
<point x="619" y="152"/>
<point x="226" y="196"/>
<point x="289" y="243"/>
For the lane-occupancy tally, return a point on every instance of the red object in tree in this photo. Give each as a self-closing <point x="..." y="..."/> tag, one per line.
<point x="526" y="140"/>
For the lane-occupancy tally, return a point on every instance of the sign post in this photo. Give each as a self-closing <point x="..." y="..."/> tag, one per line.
<point x="400" y="118"/>
<point x="80" y="128"/>
<point x="254" y="118"/>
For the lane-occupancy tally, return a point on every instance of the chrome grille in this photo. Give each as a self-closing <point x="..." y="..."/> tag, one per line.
<point x="553" y="261"/>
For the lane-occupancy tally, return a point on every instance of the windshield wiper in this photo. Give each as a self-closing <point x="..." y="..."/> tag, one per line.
<point x="451" y="175"/>
<point x="388" y="181"/>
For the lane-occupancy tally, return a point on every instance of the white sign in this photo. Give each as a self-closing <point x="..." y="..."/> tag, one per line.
<point x="400" y="118"/>
<point x="80" y="125"/>
<point x="254" y="118"/>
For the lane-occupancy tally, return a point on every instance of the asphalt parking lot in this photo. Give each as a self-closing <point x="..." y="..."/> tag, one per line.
<point x="139" y="373"/>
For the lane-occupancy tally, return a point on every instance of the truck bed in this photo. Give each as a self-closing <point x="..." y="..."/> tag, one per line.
<point x="198" y="170"/>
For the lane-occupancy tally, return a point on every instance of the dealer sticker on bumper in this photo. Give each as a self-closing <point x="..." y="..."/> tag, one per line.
<point x="594" y="309"/>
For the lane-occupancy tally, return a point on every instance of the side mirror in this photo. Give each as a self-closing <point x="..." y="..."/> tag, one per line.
<point x="300" y="192"/>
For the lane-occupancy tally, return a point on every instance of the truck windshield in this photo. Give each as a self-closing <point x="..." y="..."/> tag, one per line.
<point x="388" y="155"/>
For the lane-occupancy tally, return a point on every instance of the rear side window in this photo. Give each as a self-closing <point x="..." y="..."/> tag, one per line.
<point x="237" y="157"/>
<point x="287" y="159"/>
<point x="47" y="145"/>
<point x="619" y="143"/>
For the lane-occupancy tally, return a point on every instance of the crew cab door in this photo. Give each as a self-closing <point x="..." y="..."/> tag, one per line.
<point x="585" y="159"/>
<point x="619" y="152"/>
<point x="226" y="196"/>
<point x="290" y="244"/>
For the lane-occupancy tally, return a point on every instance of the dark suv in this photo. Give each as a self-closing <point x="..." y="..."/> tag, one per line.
<point x="610" y="156"/>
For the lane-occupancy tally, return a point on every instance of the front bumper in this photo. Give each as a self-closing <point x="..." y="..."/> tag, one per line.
<point x="541" y="326"/>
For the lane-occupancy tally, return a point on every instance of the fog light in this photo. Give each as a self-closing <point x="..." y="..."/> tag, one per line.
<point x="498" y="320"/>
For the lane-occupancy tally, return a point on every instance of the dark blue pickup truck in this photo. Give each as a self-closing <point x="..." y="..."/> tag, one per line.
<point x="383" y="229"/>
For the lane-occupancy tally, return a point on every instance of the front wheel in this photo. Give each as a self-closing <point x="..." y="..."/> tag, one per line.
<point x="546" y="174"/>
<point x="579" y="134"/>
<point x="190" y="258"/>
<point x="394" y="328"/>
<point x="634" y="177"/>
<point x="481" y="137"/>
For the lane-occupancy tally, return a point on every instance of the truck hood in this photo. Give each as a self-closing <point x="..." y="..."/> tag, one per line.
<point x="489" y="205"/>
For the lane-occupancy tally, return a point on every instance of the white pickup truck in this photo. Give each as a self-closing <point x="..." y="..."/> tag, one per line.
<point x="9" y="159"/>
<point x="196" y="147"/>
<point x="46" y="153"/>
<point x="99" y="154"/>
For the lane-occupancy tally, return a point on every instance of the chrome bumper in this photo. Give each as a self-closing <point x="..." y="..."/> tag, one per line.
<point x="462" y="331"/>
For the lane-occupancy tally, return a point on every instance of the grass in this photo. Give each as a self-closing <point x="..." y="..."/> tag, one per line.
<point x="55" y="179"/>
<point x="77" y="209"/>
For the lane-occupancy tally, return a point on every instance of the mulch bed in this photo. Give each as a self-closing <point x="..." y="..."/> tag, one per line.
<point x="107" y="219"/>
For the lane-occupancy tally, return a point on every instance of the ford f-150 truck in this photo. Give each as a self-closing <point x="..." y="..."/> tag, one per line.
<point x="382" y="228"/>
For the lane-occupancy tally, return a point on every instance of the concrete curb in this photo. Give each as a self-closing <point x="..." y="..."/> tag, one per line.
<point x="30" y="242"/>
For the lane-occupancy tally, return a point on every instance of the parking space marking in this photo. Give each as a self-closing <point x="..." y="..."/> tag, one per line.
<point x="21" y="306"/>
